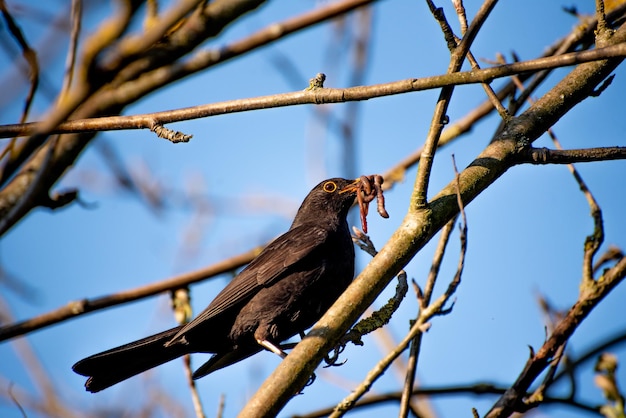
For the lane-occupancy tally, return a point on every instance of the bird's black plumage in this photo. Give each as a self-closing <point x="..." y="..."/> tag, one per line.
<point x="281" y="293"/>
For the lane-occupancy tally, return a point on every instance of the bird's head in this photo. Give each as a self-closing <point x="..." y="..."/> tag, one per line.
<point x="330" y="199"/>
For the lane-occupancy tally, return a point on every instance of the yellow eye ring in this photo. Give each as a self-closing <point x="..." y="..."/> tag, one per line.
<point x="329" y="186"/>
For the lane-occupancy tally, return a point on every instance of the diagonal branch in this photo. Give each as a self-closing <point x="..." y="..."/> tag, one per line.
<point x="29" y="54"/>
<point x="84" y="306"/>
<point x="589" y="298"/>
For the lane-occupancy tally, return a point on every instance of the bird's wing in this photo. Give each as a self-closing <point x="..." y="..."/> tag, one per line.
<point x="268" y="267"/>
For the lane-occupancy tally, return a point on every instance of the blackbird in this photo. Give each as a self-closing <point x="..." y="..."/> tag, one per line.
<point x="281" y="293"/>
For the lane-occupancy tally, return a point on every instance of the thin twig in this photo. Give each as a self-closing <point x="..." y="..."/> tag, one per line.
<point x="220" y="407"/>
<point x="613" y="253"/>
<point x="424" y="301"/>
<point x="453" y="42"/>
<point x="600" y="16"/>
<point x="460" y="12"/>
<point x="618" y="338"/>
<point x="589" y="298"/>
<point x="442" y="391"/>
<point x="378" y="370"/>
<point x="595" y="240"/>
<point x="29" y="54"/>
<point x="551" y="318"/>
<point x="81" y="307"/>
<point x="39" y="376"/>
<point x="34" y="195"/>
<point x="147" y="81"/>
<point x="439" y="119"/>
<point x="130" y="47"/>
<point x="15" y="401"/>
<point x="70" y="59"/>
<point x="319" y="96"/>
<point x="181" y="306"/>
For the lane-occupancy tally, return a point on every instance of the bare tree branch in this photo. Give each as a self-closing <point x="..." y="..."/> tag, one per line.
<point x="318" y="96"/>
<point x="29" y="54"/>
<point x="80" y="307"/>
<point x="86" y="92"/>
<point x="420" y="225"/>
<point x="590" y="296"/>
<point x="542" y="156"/>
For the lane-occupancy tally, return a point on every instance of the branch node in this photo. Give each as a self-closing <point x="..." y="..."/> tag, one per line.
<point x="169" y="134"/>
<point x="316" y="82"/>
<point x="77" y="307"/>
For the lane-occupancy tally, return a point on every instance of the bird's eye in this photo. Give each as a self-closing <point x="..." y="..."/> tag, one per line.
<point x="329" y="186"/>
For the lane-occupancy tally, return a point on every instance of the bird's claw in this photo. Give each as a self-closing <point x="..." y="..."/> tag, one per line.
<point x="311" y="380"/>
<point x="332" y="360"/>
<point x="308" y="383"/>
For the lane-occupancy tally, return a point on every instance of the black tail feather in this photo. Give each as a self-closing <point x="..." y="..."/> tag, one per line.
<point x="112" y="366"/>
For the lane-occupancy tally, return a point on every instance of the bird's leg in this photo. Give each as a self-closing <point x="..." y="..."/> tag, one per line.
<point x="313" y="377"/>
<point x="271" y="347"/>
<point x="276" y="350"/>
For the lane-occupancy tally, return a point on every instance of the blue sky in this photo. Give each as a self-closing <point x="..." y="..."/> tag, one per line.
<point x="526" y="232"/>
